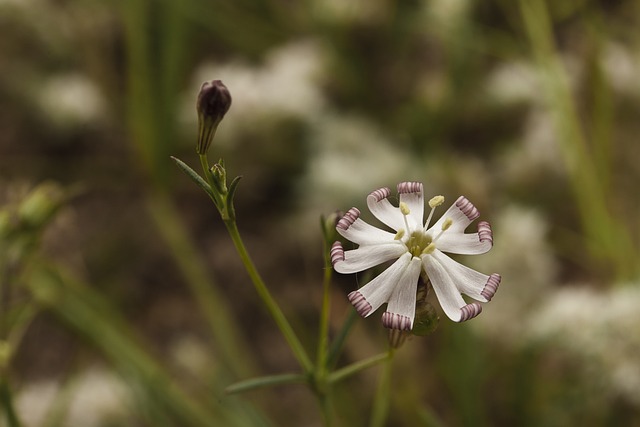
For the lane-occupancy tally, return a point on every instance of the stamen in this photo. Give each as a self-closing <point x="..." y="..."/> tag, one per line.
<point x="399" y="235"/>
<point x="349" y="218"/>
<point x="467" y="208"/>
<point x="429" y="249"/>
<point x="359" y="303"/>
<point x="436" y="201"/>
<point x="491" y="287"/>
<point x="337" y="253"/>
<point x="396" y="321"/>
<point x="380" y="193"/>
<point x="433" y="204"/>
<point x="484" y="232"/>
<point x="446" y="224"/>
<point x="470" y="311"/>
<point x="404" y="209"/>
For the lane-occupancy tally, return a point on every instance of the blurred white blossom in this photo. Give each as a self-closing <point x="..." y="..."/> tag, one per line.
<point x="285" y="85"/>
<point x="70" y="100"/>
<point x="95" y="395"/>
<point x="600" y="329"/>
<point x="622" y="68"/>
<point x="349" y="155"/>
<point x="513" y="82"/>
<point x="537" y="153"/>
<point x="528" y="267"/>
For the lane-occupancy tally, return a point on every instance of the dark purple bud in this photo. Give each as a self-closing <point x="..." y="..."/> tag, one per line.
<point x="213" y="103"/>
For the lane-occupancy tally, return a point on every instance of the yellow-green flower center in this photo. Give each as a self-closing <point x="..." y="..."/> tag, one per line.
<point x="418" y="242"/>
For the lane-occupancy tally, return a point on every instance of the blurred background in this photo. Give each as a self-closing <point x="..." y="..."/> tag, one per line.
<point x="123" y="301"/>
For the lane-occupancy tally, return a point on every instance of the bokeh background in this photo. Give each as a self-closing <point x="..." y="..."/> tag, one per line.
<point x="122" y="293"/>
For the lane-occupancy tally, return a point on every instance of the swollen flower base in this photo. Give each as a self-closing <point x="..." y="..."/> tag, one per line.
<point x="418" y="249"/>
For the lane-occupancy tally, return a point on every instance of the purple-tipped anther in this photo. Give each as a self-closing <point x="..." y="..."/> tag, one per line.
<point x="396" y="321"/>
<point x="360" y="303"/>
<point x="491" y="287"/>
<point x="348" y="219"/>
<point x="470" y="311"/>
<point x="484" y="232"/>
<point x="380" y="193"/>
<point x="409" y="187"/>
<point x="336" y="253"/>
<point x="467" y="208"/>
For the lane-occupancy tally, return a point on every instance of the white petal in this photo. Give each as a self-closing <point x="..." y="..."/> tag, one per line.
<point x="378" y="291"/>
<point x="462" y="212"/>
<point x="412" y="194"/>
<point x="382" y="209"/>
<point x="363" y="233"/>
<point x="402" y="304"/>
<point x="467" y="280"/>
<point x="446" y="291"/>
<point x="462" y="243"/>
<point x="369" y="256"/>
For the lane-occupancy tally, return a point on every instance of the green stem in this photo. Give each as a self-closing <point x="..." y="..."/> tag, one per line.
<point x="267" y="299"/>
<point x="354" y="368"/>
<point x="6" y="402"/>
<point x="323" y="338"/>
<point x="204" y="162"/>
<point x="380" y="408"/>
<point x="323" y="389"/>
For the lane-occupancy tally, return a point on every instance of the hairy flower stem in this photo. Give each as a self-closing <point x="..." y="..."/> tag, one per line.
<point x="270" y="303"/>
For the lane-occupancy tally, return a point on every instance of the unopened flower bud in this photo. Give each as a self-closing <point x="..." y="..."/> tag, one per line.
<point x="213" y="103"/>
<point x="328" y="224"/>
<point x="426" y="320"/>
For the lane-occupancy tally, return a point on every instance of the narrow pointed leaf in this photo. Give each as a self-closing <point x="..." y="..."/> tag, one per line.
<point x="268" y="381"/>
<point x="194" y="176"/>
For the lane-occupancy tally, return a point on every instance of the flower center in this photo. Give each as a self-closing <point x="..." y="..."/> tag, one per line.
<point x="418" y="242"/>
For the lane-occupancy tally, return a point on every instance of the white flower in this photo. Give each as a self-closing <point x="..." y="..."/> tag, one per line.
<point x="418" y="248"/>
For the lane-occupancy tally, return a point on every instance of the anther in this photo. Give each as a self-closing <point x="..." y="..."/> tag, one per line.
<point x="436" y="201"/>
<point x="404" y="208"/>
<point x="429" y="249"/>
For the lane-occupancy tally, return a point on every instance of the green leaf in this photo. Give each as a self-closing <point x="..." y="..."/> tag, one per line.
<point x="232" y="192"/>
<point x="194" y="177"/>
<point x="267" y="381"/>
